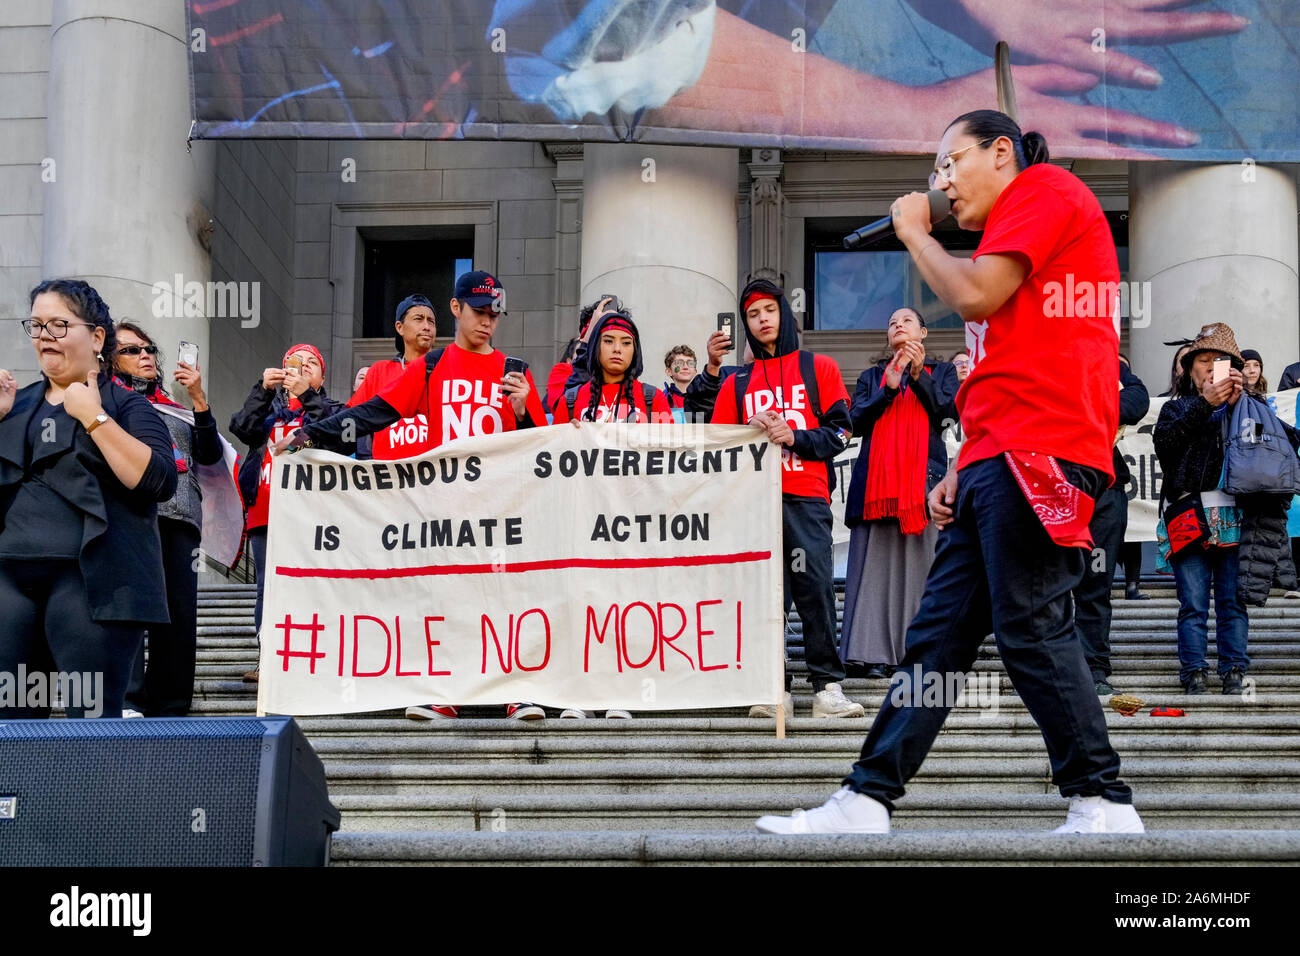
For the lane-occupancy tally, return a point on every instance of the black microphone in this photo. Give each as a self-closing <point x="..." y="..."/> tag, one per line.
<point x="940" y="209"/>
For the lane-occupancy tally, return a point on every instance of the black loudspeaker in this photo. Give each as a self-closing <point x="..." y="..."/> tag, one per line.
<point x="164" y="791"/>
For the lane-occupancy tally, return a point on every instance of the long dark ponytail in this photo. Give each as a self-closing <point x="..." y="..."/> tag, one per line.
<point x="1029" y="148"/>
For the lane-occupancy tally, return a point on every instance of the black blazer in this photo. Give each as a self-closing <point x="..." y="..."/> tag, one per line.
<point x="121" y="557"/>
<point x="873" y="397"/>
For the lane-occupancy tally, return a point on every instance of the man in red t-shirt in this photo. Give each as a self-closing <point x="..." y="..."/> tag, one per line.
<point x="467" y="391"/>
<point x="1039" y="292"/>
<point x="799" y="399"/>
<point x="415" y="330"/>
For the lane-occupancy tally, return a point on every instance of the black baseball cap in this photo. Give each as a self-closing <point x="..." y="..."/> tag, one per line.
<point x="480" y="290"/>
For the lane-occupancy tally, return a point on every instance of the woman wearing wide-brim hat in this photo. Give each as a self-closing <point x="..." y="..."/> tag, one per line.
<point x="1188" y="441"/>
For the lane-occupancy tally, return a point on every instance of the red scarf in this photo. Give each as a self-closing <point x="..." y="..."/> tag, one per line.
<point x="900" y="444"/>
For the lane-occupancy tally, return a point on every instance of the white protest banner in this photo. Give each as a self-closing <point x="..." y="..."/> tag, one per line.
<point x="607" y="566"/>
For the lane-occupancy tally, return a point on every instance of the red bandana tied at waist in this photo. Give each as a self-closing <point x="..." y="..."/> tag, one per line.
<point x="1063" y="509"/>
<point x="896" y="468"/>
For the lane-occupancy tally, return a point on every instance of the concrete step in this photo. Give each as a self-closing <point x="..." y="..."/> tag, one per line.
<point x="597" y="730"/>
<point x="932" y="848"/>
<point x="943" y="771"/>
<point x="504" y="811"/>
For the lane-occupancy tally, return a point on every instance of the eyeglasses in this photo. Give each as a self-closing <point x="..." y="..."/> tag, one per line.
<point x="57" y="328"/>
<point x="946" y="165"/>
<point x="137" y="349"/>
<point x="682" y="366"/>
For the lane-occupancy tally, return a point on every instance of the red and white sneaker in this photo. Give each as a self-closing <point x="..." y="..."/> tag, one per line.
<point x="433" y="712"/>
<point x="524" y="711"/>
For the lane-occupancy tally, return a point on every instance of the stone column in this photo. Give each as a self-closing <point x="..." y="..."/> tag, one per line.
<point x="128" y="207"/>
<point x="1216" y="243"/>
<point x="767" y="207"/>
<point x="568" y="239"/>
<point x="659" y="230"/>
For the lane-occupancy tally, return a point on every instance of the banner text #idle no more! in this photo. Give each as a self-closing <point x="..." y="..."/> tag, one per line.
<point x="609" y="566"/>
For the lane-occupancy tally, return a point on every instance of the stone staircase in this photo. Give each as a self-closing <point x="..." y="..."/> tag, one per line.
<point x="1218" y="786"/>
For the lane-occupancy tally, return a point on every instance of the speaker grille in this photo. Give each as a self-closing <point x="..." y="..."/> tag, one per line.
<point x="160" y="792"/>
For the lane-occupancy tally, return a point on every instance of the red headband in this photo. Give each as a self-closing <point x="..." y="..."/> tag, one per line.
<point x="304" y="347"/>
<point x="754" y="297"/>
<point x="618" y="322"/>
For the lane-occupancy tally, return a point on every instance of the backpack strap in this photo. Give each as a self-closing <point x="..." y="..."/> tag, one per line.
<point x="808" y="372"/>
<point x="430" y="360"/>
<point x="740" y="382"/>
<point x="571" y="398"/>
<point x="648" y="391"/>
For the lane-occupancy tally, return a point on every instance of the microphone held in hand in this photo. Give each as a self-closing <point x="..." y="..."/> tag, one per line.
<point x="940" y="209"/>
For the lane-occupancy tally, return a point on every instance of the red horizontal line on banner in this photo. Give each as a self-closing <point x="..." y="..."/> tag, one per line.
<point x="518" y="567"/>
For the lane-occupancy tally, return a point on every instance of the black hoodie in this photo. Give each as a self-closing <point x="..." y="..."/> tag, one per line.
<point x="825" y="437"/>
<point x="592" y="372"/>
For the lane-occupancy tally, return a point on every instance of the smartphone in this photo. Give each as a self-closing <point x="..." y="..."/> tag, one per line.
<point x="515" y="365"/>
<point x="727" y="323"/>
<point x="1221" y="366"/>
<point x="188" y="354"/>
<point x="293" y="362"/>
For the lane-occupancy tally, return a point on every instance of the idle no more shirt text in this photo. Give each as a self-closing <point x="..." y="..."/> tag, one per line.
<point x="258" y="514"/>
<point x="406" y="438"/>
<point x="465" y="396"/>
<point x="776" y="383"/>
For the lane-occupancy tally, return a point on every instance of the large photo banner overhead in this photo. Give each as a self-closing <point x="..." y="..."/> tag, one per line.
<point x="606" y="566"/>
<point x="1099" y="78"/>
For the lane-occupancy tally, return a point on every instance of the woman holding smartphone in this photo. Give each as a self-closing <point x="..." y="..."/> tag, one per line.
<point x="281" y="401"/>
<point x="1203" y="549"/>
<point x="166" y="688"/>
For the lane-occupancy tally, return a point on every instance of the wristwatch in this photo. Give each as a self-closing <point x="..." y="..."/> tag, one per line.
<point x="99" y="420"/>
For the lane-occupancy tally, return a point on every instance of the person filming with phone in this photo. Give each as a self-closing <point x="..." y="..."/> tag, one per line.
<point x="1206" y="536"/>
<point x="166" y="688"/>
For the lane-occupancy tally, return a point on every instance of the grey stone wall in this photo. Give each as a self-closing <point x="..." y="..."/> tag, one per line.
<point x="256" y="219"/>
<point x="24" y="76"/>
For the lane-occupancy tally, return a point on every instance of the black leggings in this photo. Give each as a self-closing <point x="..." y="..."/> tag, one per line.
<point x="46" y="625"/>
<point x="166" y="689"/>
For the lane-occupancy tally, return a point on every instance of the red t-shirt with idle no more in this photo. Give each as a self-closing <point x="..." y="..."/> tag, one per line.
<point x="465" y="396"/>
<point x="613" y="405"/>
<point x="1045" y="366"/>
<point x="404" y="439"/>
<point x="776" y="383"/>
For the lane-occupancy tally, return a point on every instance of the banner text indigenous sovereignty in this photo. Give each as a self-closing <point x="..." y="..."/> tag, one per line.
<point x="599" y="567"/>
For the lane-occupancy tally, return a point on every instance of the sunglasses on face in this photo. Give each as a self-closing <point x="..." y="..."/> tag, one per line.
<point x="137" y="349"/>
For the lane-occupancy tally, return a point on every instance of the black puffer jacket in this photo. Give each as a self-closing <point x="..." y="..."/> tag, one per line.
<point x="1188" y="439"/>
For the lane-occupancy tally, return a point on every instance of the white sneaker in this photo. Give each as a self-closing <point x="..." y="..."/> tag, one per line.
<point x="1099" y="815"/>
<point x="128" y="712"/>
<point x="572" y="713"/>
<point x="831" y="702"/>
<point x="769" y="710"/>
<point x="617" y="715"/>
<point x="845" y="812"/>
<point x="524" y="711"/>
